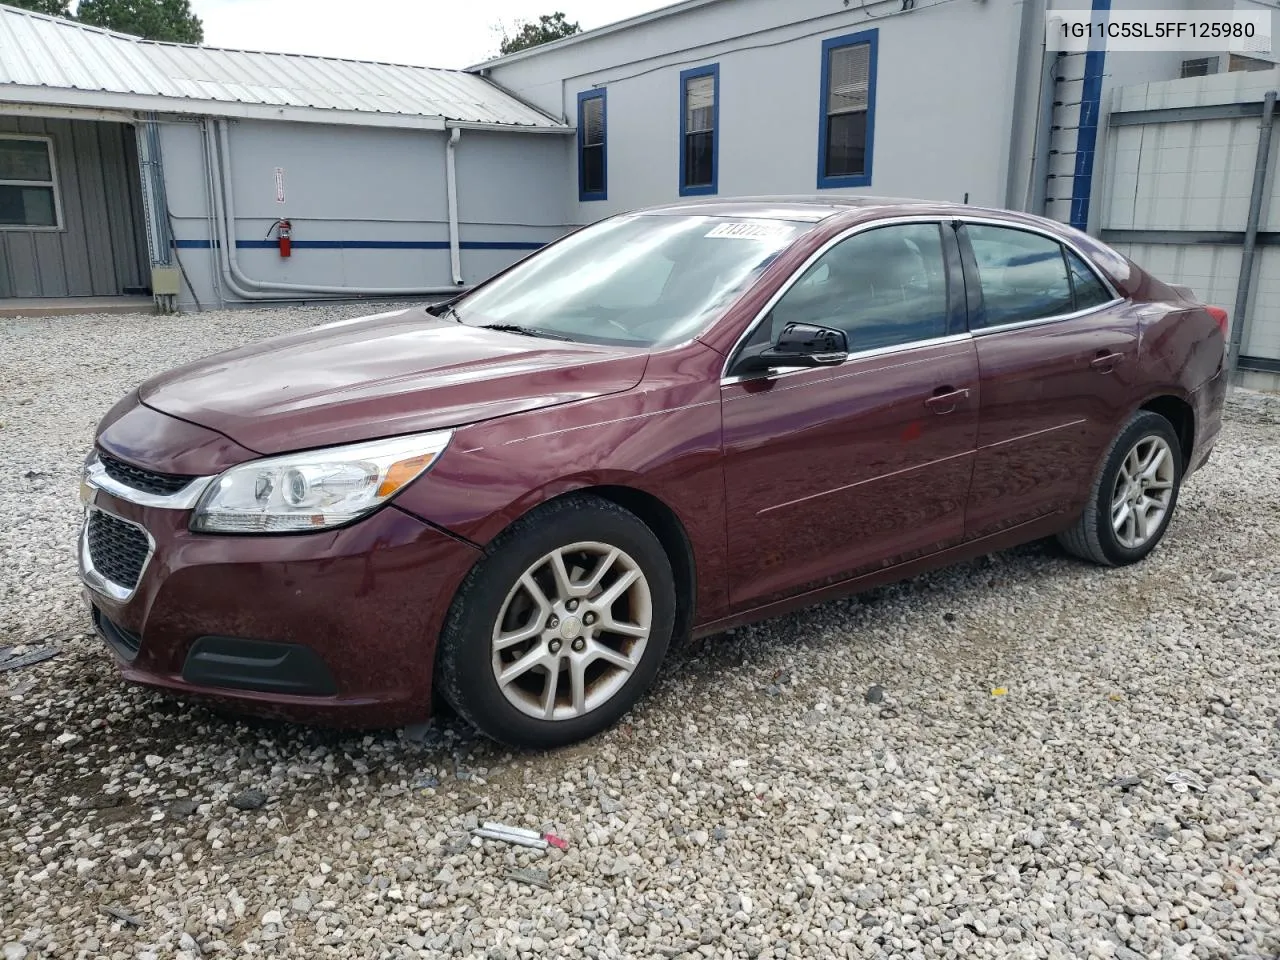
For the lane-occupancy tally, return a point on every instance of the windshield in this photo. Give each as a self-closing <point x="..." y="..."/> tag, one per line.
<point x="637" y="281"/>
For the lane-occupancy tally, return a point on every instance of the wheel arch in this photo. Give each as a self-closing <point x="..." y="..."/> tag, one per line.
<point x="1179" y="412"/>
<point x="667" y="526"/>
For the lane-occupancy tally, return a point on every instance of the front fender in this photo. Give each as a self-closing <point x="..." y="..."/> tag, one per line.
<point x="664" y="442"/>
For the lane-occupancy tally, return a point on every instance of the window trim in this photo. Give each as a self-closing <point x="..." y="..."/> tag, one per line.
<point x="52" y="183"/>
<point x="972" y="275"/>
<point x="732" y="356"/>
<point x="601" y="94"/>
<point x="871" y="38"/>
<point x="701" y="190"/>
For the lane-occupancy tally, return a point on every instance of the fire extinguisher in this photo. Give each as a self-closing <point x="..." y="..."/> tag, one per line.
<point x="284" y="235"/>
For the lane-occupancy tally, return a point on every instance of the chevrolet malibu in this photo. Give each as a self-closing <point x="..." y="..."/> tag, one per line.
<point x="666" y="424"/>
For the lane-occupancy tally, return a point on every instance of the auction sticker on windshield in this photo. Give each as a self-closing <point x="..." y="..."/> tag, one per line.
<point x="757" y="230"/>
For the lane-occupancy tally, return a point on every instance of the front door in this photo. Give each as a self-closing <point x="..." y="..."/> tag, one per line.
<point x="834" y="471"/>
<point x="1057" y="351"/>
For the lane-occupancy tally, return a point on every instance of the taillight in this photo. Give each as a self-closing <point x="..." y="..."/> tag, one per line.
<point x="1220" y="317"/>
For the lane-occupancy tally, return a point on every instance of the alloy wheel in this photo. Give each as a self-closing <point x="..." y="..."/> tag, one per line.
<point x="572" y="630"/>
<point x="1143" y="492"/>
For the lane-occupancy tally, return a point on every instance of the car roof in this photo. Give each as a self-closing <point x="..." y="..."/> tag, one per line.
<point x="804" y="208"/>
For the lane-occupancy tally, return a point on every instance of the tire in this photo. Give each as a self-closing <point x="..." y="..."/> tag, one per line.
<point x="1096" y="535"/>
<point x="571" y="625"/>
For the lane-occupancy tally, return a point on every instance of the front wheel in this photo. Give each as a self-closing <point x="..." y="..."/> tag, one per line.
<point x="559" y="630"/>
<point x="1132" y="499"/>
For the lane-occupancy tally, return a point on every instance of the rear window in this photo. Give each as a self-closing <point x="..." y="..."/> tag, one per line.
<point x="1024" y="275"/>
<point x="1029" y="276"/>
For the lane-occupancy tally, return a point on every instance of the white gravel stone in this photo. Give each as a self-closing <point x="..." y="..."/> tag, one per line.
<point x="835" y="783"/>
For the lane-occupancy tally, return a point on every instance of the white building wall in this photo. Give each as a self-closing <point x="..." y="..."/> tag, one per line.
<point x="943" y="97"/>
<point x="954" y="115"/>
<point x="368" y="206"/>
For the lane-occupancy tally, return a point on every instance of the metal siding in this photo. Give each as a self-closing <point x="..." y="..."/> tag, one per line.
<point x="1196" y="175"/>
<point x="46" y="52"/>
<point x="93" y="197"/>
<point x="141" y="263"/>
<point x="1208" y="269"/>
<point x="24" y="265"/>
<point x="121" y="221"/>
<point x="1263" y="339"/>
<point x="49" y="247"/>
<point x="97" y="253"/>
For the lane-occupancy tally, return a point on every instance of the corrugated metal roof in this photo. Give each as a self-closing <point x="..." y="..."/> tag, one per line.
<point x="46" y="52"/>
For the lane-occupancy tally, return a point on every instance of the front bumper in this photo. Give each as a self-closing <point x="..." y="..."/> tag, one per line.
<point x="336" y="627"/>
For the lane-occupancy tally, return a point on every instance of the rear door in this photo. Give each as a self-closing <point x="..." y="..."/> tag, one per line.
<point x="835" y="471"/>
<point x="1057" y="351"/>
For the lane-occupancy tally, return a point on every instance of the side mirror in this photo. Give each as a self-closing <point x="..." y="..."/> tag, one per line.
<point x="798" y="345"/>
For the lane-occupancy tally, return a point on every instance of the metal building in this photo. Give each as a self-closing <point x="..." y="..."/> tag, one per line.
<point x="129" y="166"/>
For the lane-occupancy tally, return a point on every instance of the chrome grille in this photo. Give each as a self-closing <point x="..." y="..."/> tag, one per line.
<point x="148" y="481"/>
<point x="117" y="548"/>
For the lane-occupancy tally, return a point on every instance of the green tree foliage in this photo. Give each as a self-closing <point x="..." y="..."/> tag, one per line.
<point x="54" y="8"/>
<point x="530" y="33"/>
<point x="170" y="20"/>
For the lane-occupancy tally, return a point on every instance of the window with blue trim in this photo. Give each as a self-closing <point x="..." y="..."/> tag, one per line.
<point x="699" y="130"/>
<point x="593" y="158"/>
<point x="848" y="110"/>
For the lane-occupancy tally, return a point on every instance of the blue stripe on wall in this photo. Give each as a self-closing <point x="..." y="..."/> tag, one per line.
<point x="370" y="245"/>
<point x="1087" y="132"/>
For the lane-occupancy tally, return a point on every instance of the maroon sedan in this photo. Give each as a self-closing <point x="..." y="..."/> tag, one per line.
<point x="661" y="426"/>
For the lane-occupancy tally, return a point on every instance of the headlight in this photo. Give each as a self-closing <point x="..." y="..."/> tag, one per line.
<point x="316" y="489"/>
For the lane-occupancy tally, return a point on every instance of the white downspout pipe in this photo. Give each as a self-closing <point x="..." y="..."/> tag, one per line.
<point x="219" y="237"/>
<point x="451" y="182"/>
<point x="237" y="277"/>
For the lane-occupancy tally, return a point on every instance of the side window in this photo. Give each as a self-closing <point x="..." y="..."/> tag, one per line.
<point x="1023" y="275"/>
<point x="882" y="287"/>
<point x="1089" y="290"/>
<point x="28" y="188"/>
<point x="593" y="163"/>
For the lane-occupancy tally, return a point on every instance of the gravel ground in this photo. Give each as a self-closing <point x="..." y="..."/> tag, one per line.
<point x="972" y="763"/>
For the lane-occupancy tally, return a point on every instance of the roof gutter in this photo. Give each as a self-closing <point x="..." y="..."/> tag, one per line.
<point x="50" y="101"/>
<point x="559" y="128"/>
<point x="65" y="113"/>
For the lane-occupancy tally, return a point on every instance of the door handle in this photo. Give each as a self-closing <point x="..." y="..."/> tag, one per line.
<point x="946" y="399"/>
<point x="1106" y="362"/>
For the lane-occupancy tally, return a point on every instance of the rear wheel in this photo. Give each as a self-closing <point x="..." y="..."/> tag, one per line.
<point x="1133" y="498"/>
<point x="557" y="632"/>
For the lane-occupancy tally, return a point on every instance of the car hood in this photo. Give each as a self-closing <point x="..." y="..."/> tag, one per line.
<point x="381" y="376"/>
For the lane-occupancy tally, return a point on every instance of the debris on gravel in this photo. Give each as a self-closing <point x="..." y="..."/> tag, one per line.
<point x="15" y="658"/>
<point x="251" y="800"/>
<point x="760" y="803"/>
